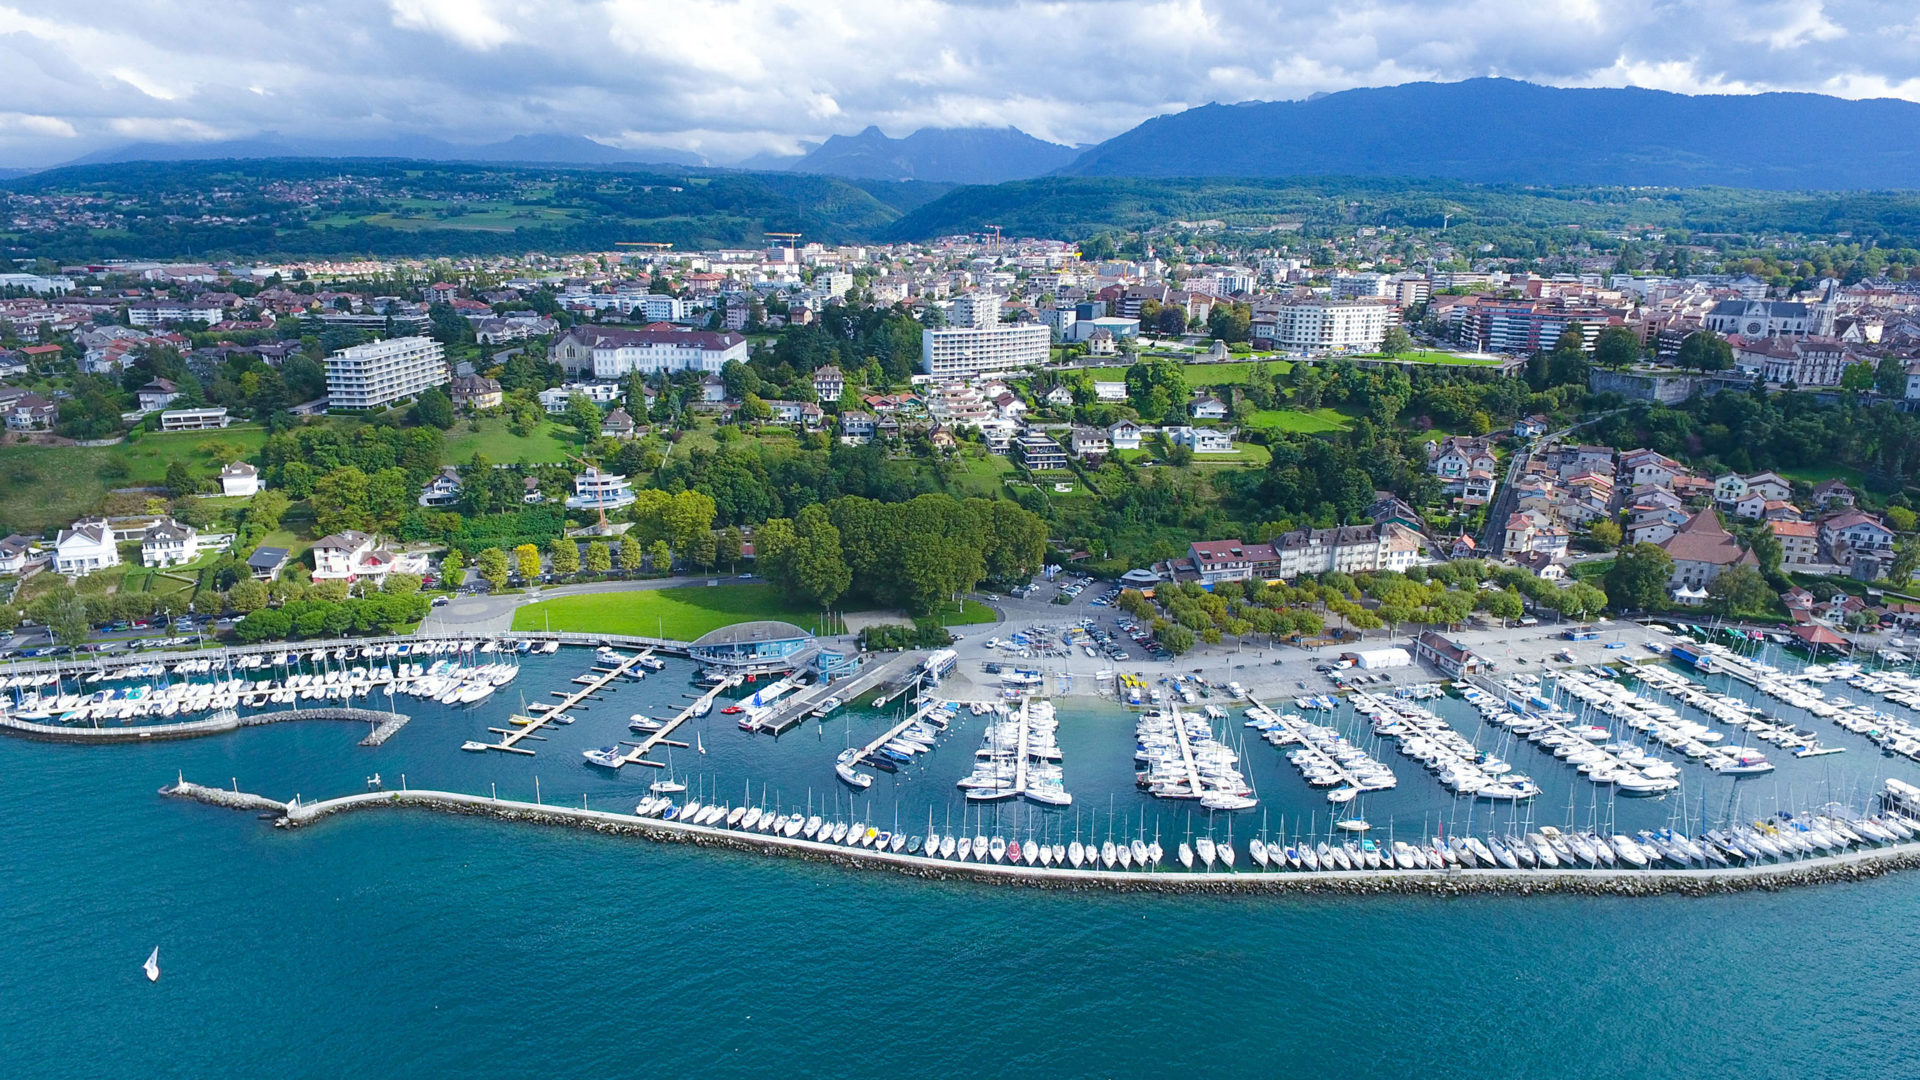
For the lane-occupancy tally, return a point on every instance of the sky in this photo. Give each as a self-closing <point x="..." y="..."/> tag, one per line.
<point x="732" y="78"/>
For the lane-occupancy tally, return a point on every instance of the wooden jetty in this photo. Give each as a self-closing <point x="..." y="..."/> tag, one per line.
<point x="638" y="755"/>
<point x="598" y="680"/>
<point x="894" y="732"/>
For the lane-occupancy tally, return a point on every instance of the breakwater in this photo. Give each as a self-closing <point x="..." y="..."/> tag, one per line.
<point x="1856" y="865"/>
<point x="386" y="724"/>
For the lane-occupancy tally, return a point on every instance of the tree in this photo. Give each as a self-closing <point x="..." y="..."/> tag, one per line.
<point x="1616" y="347"/>
<point x="584" y="416"/>
<point x="1890" y="377"/>
<point x="599" y="557"/>
<point x="452" y="568"/>
<point x="727" y="551"/>
<point x="1906" y="563"/>
<point x="1396" y="341"/>
<point x="492" y="564"/>
<point x="401" y="584"/>
<point x="564" y="552"/>
<point x="179" y="480"/>
<point x="248" y="596"/>
<point x="1605" y="532"/>
<point x="816" y="567"/>
<point x="526" y="559"/>
<point x="1580" y="601"/>
<point x="1638" y="577"/>
<point x="631" y="555"/>
<point x="339" y="500"/>
<point x="68" y="621"/>
<point x="433" y="408"/>
<point x="1900" y="518"/>
<point x="1739" y="591"/>
<point x="1857" y="378"/>
<point x="1706" y="351"/>
<point x="661" y="556"/>
<point x="753" y="410"/>
<point x="267" y="508"/>
<point x="1176" y="639"/>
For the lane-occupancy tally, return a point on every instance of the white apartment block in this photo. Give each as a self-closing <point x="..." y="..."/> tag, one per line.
<point x="961" y="352"/>
<point x="1332" y="325"/>
<point x="380" y="373"/>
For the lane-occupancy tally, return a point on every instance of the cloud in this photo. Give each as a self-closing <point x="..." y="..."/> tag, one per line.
<point x="735" y="77"/>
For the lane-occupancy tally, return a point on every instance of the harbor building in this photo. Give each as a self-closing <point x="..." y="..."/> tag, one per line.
<point x="380" y="373"/>
<point x="752" y="646"/>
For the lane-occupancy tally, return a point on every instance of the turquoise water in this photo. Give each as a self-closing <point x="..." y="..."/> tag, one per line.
<point x="413" y="941"/>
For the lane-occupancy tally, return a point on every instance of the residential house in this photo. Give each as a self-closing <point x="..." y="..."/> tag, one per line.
<point x="16" y="552"/>
<point x="1771" y="485"/>
<point x="84" y="548"/>
<point x="194" y="419"/>
<point x="1124" y="435"/>
<point x="1038" y="452"/>
<point x="476" y="392"/>
<point x="443" y="490"/>
<point x="1851" y="533"/>
<point x="1799" y="542"/>
<point x="1463" y="547"/>
<point x="1208" y="408"/>
<point x="829" y="383"/>
<point x="617" y="424"/>
<point x="1109" y="393"/>
<point x="1059" y="397"/>
<point x="168" y="543"/>
<point x="858" y="426"/>
<point x="1832" y="495"/>
<point x="1477" y="488"/>
<point x="1650" y="467"/>
<point x="1750" y="505"/>
<point x="1531" y="426"/>
<point x="1702" y="550"/>
<point x="1090" y="442"/>
<point x="1203" y="440"/>
<point x="239" y="479"/>
<point x="1540" y="565"/>
<point x="1101" y="342"/>
<point x="30" y="412"/>
<point x="1729" y="489"/>
<point x="338" y="557"/>
<point x="596" y="490"/>
<point x="713" y="389"/>
<point x="157" y="395"/>
<point x="1452" y="458"/>
<point x="1654" y="525"/>
<point x="796" y="413"/>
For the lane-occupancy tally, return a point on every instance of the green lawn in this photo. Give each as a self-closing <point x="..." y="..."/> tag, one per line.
<point x="981" y="474"/>
<point x="42" y="487"/>
<point x="1427" y="356"/>
<point x="1814" y="474"/>
<point x="1229" y="373"/>
<point x="969" y="613"/>
<point x="1301" y="422"/>
<point x="551" y="443"/>
<point x="682" y="613"/>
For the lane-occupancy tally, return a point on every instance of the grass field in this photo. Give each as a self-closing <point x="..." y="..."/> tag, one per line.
<point x="966" y="613"/>
<point x="1229" y="373"/>
<point x="550" y="443"/>
<point x="1301" y="422"/>
<point x="982" y="473"/>
<point x="682" y="614"/>
<point x="1814" y="474"/>
<point x="1428" y="356"/>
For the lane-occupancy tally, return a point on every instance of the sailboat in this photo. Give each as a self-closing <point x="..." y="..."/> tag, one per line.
<point x="698" y="745"/>
<point x="152" y="965"/>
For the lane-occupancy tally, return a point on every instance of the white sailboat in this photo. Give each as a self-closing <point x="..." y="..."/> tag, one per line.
<point x="152" y="965"/>
<point x="698" y="744"/>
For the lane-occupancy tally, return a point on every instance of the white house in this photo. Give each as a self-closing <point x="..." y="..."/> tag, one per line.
<point x="442" y="490"/>
<point x="15" y="552"/>
<point x="1090" y="442"/>
<point x="239" y="478"/>
<point x="168" y="543"/>
<point x="1124" y="435"/>
<point x="1208" y="408"/>
<point x="336" y="557"/>
<point x="86" y="547"/>
<point x="1109" y="392"/>
<point x="1203" y="440"/>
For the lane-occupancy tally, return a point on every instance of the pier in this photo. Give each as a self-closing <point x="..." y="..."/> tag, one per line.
<point x="894" y="732"/>
<point x="218" y="724"/>
<point x="597" y="680"/>
<point x="702" y="704"/>
<point x="1320" y="758"/>
<point x="786" y="716"/>
<point x="1852" y="865"/>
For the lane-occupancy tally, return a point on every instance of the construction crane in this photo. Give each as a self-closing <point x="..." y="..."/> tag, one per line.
<point x="656" y="245"/>
<point x="789" y="237"/>
<point x="598" y="503"/>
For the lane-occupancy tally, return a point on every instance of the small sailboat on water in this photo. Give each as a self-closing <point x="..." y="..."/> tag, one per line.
<point x="152" y="966"/>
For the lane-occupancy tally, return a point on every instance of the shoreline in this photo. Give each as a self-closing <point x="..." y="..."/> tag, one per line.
<point x="1848" y="866"/>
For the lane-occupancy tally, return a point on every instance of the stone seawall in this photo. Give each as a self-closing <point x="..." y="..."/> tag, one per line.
<point x="1830" y="869"/>
<point x="190" y="729"/>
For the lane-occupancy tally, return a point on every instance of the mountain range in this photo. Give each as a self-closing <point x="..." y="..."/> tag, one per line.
<point x="1496" y="131"/>
<point x="527" y="149"/>
<point x="1503" y="131"/>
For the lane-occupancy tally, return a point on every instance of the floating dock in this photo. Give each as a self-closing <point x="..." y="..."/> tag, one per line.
<point x="894" y="732"/>
<point x="638" y="755"/>
<point x="597" y="680"/>
<point x="797" y="708"/>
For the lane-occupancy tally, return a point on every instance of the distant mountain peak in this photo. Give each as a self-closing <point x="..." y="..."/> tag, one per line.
<point x="953" y="155"/>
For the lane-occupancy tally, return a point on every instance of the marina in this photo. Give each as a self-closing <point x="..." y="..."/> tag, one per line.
<point x="527" y="724"/>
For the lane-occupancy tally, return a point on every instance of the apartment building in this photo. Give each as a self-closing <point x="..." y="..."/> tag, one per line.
<point x="380" y="373"/>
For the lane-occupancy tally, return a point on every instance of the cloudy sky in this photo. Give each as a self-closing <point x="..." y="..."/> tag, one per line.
<point x="729" y="78"/>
